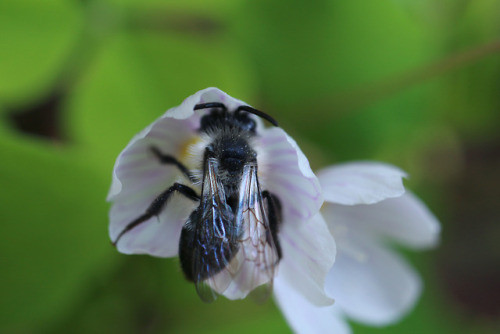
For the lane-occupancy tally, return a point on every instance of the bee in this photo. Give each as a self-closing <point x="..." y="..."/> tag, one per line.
<point x="229" y="241"/>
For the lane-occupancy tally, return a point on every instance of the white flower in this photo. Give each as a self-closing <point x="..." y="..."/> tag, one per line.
<point x="308" y="248"/>
<point x="366" y="208"/>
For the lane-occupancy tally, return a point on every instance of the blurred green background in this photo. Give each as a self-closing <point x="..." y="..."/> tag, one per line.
<point x="415" y="83"/>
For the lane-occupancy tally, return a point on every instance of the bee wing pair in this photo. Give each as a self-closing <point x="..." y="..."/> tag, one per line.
<point x="235" y="252"/>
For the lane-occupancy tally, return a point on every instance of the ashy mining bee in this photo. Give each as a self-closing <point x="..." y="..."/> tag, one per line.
<point x="231" y="236"/>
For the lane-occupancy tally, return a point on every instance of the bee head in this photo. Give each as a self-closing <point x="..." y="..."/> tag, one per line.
<point x="222" y="119"/>
<point x="219" y="117"/>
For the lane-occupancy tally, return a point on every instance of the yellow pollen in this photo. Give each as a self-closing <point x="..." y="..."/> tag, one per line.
<point x="185" y="151"/>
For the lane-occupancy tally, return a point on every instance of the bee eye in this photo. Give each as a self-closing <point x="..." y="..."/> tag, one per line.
<point x="208" y="122"/>
<point x="251" y="125"/>
<point x="245" y="122"/>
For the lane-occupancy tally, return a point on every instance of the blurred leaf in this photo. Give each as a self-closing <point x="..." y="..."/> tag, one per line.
<point x="471" y="100"/>
<point x="307" y="50"/>
<point x="150" y="295"/>
<point x="487" y="12"/>
<point x="472" y="103"/>
<point x="393" y="125"/>
<point x="53" y="235"/>
<point x="213" y="6"/>
<point x="35" y="39"/>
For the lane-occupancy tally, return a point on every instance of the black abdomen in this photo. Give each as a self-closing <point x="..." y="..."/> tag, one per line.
<point x="206" y="249"/>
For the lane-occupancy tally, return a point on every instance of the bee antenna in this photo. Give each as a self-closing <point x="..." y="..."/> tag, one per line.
<point x="258" y="113"/>
<point x="210" y="105"/>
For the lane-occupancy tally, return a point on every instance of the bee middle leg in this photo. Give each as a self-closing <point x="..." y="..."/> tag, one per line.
<point x="170" y="160"/>
<point x="275" y="217"/>
<point x="157" y="206"/>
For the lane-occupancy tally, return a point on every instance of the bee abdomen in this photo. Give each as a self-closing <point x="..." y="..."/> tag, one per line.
<point x="203" y="256"/>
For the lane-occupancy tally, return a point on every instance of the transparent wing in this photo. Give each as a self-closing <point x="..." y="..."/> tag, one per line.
<point x="255" y="263"/>
<point x="216" y="238"/>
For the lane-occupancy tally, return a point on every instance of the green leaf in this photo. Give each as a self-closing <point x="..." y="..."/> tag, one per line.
<point x="35" y="39"/>
<point x="53" y="235"/>
<point x="149" y="294"/>
<point x="308" y="50"/>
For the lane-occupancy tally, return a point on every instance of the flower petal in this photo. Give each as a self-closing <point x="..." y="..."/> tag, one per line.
<point x="373" y="286"/>
<point x="158" y="236"/>
<point x="285" y="172"/>
<point x="361" y="183"/>
<point x="404" y="219"/>
<point x="308" y="254"/>
<point x="305" y="317"/>
<point x="138" y="178"/>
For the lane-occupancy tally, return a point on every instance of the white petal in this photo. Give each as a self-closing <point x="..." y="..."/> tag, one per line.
<point x="361" y="183"/>
<point x="285" y="172"/>
<point x="138" y="178"/>
<point x="306" y="318"/>
<point x="374" y="285"/>
<point x="308" y="254"/>
<point x="404" y="219"/>
<point x="136" y="167"/>
<point x="158" y="236"/>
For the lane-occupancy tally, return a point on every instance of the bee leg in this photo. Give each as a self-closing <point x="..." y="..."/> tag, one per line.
<point x="187" y="245"/>
<point x="170" y="160"/>
<point x="158" y="205"/>
<point x="275" y="217"/>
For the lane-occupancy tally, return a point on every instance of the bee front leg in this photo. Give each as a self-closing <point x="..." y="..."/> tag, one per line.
<point x="157" y="206"/>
